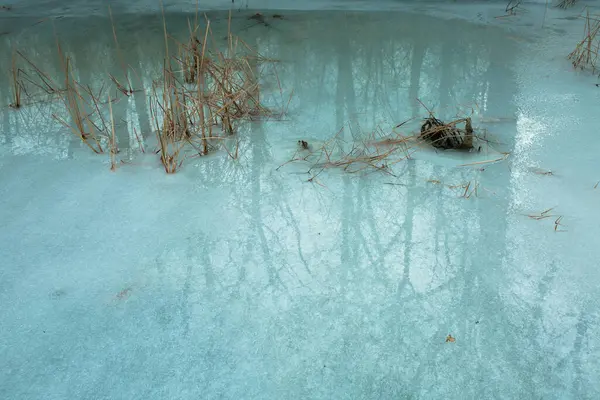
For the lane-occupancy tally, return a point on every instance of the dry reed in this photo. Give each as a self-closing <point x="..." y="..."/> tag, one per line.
<point x="43" y="81"/>
<point x="543" y="215"/>
<point x="585" y="54"/>
<point x="214" y="87"/>
<point x="202" y="88"/>
<point x="557" y="224"/>
<point x="83" y="127"/>
<point x="377" y="153"/>
<point x="113" y="140"/>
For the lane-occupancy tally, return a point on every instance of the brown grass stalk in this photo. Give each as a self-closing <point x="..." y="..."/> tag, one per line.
<point x="113" y="140"/>
<point x="558" y="224"/>
<point x="206" y="129"/>
<point x="585" y="54"/>
<point x="139" y="141"/>
<point x="373" y="154"/>
<point x="173" y="129"/>
<point x="225" y="91"/>
<point x="468" y="193"/>
<point x="83" y="126"/>
<point x="543" y="215"/>
<point x="47" y="84"/>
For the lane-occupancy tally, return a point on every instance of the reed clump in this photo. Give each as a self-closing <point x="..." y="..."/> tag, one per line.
<point x="204" y="93"/>
<point x="84" y="109"/>
<point x="381" y="150"/>
<point x="585" y="55"/>
<point x="171" y="122"/>
<point x="447" y="135"/>
<point x="29" y="83"/>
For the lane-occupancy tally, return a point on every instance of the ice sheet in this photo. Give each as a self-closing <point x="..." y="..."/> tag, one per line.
<point x="239" y="280"/>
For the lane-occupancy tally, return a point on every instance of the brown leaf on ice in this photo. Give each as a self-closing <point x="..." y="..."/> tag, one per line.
<point x="123" y="294"/>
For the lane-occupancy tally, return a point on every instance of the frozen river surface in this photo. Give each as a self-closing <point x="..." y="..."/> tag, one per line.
<point x="236" y="279"/>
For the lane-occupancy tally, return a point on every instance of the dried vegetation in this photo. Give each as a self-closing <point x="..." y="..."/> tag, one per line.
<point x="585" y="55"/>
<point x="204" y="93"/>
<point x="379" y="151"/>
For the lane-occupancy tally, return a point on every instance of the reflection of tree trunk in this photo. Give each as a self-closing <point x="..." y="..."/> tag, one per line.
<point x="258" y="144"/>
<point x="581" y="329"/>
<point x="143" y="113"/>
<point x="408" y="229"/>
<point x="477" y="278"/>
<point x="345" y="83"/>
<point x="200" y="241"/>
<point x="502" y="86"/>
<point x="7" y="130"/>
<point x="418" y="54"/>
<point x="286" y="209"/>
<point x="347" y="204"/>
<point x="447" y="77"/>
<point x="345" y="96"/>
<point x="373" y="81"/>
<point x="251" y="86"/>
<point x="364" y="194"/>
<point x="501" y="90"/>
<point x="143" y="81"/>
<point x="440" y="222"/>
